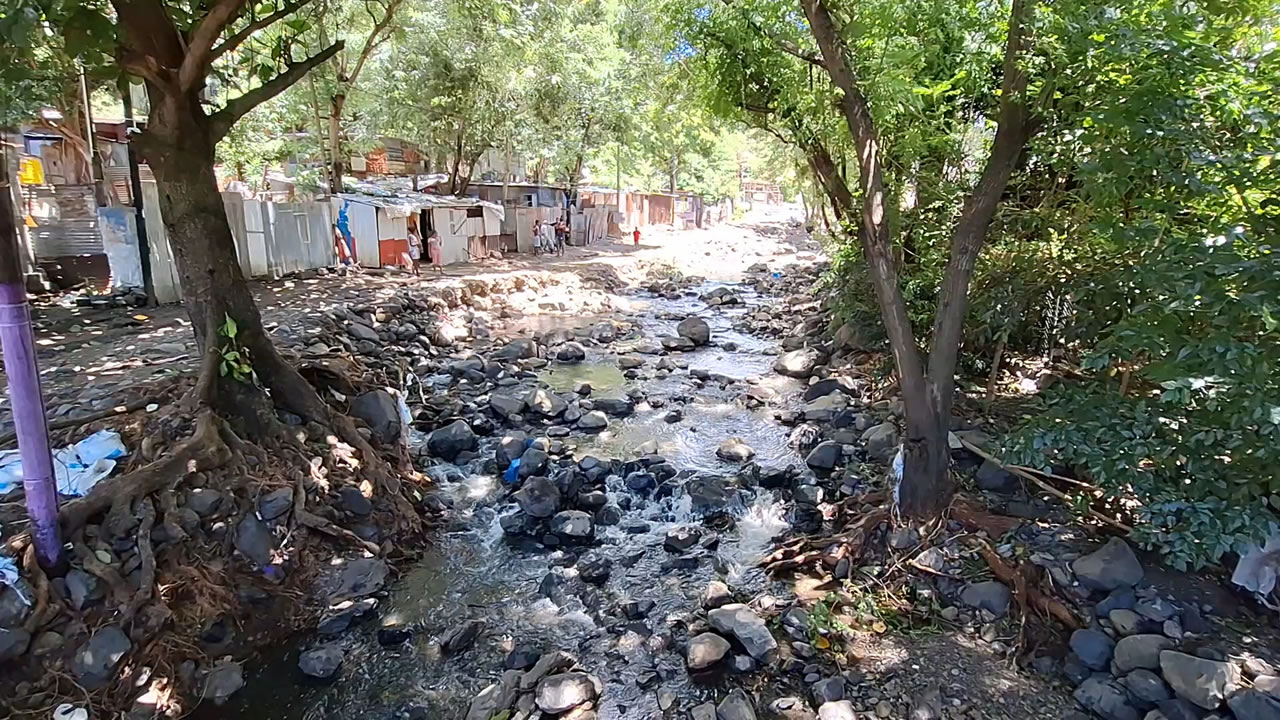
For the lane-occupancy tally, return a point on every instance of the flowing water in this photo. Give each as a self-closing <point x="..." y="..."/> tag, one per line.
<point x="471" y="571"/>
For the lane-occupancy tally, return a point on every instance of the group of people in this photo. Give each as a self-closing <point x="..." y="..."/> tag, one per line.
<point x="550" y="237"/>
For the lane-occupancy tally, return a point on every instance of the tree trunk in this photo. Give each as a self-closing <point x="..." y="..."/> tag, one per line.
<point x="457" y="162"/>
<point x="178" y="147"/>
<point x="337" y="163"/>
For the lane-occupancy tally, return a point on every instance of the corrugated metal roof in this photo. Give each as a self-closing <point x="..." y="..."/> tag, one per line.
<point x="421" y="201"/>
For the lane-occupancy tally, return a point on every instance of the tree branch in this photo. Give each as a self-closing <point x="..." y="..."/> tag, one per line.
<point x="372" y="42"/>
<point x="238" y="37"/>
<point x="783" y="44"/>
<point x="221" y="121"/>
<point x="195" y="64"/>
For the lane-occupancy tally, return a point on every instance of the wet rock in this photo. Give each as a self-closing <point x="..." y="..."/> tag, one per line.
<point x="539" y="497"/>
<point x="571" y="352"/>
<point x="799" y="363"/>
<point x="594" y="421"/>
<point x="614" y="407"/>
<point x="734" y="450"/>
<point x="1093" y="647"/>
<point x="1106" y="697"/>
<point x="736" y="705"/>
<point x="222" y="682"/>
<point x="573" y="526"/>
<point x="451" y="440"/>
<point x="716" y="595"/>
<point x="630" y="362"/>
<point x="461" y="637"/>
<point x="1147" y="687"/>
<point x="826" y="386"/>
<point x="561" y="693"/>
<point x="95" y="662"/>
<point x="533" y="461"/>
<point x="378" y="410"/>
<point x="392" y="635"/>
<point x="992" y="596"/>
<point x="496" y="697"/>
<point x="825" y="456"/>
<point x="881" y="441"/>
<point x="1204" y="682"/>
<point x="682" y="344"/>
<point x="640" y="481"/>
<point x="741" y="623"/>
<point x="545" y="403"/>
<point x="518" y="349"/>
<point x="549" y="664"/>
<point x="321" y="663"/>
<point x="595" y="569"/>
<point x="705" y="650"/>
<point x="673" y="416"/>
<point x="837" y="710"/>
<point x="681" y="539"/>
<point x="695" y="329"/>
<point x="360" y="331"/>
<point x="808" y="495"/>
<point x="1140" y="651"/>
<point x="254" y="540"/>
<point x="1253" y="705"/>
<point x="521" y="658"/>
<point x="1112" y="566"/>
<point x="506" y="405"/>
<point x="705" y="711"/>
<point x="13" y="643"/>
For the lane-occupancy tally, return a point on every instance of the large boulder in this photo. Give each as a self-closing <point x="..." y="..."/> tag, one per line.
<point x="1204" y="682"/>
<point x="571" y="352"/>
<point x="1093" y="647"/>
<point x="563" y="692"/>
<point x="741" y="623"/>
<point x="695" y="329"/>
<point x="1254" y="705"/>
<point x="518" y="349"/>
<point x="1140" y="651"/>
<point x="799" y="363"/>
<point x="378" y="410"/>
<point x="825" y="456"/>
<point x="1112" y="566"/>
<point x="594" y="421"/>
<point x="451" y="440"/>
<point x="539" y="498"/>
<point x="614" y="407"/>
<point x="826" y="386"/>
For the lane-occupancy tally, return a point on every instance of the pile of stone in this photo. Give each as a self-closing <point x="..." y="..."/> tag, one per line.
<point x="550" y="685"/>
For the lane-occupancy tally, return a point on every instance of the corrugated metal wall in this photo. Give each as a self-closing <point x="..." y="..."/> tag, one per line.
<point x="66" y="219"/>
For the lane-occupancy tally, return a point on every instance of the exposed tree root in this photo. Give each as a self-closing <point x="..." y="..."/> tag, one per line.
<point x="1023" y="583"/>
<point x="970" y="514"/>
<point x="146" y="554"/>
<point x="315" y="522"/>
<point x="119" y="589"/>
<point x="804" y="551"/>
<point x="36" y="576"/>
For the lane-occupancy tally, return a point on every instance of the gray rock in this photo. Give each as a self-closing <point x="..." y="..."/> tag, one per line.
<point x="506" y="405"/>
<point x="992" y="596"/>
<point x="1156" y="609"/>
<point x="13" y="643"/>
<point x="683" y="344"/>
<point x="322" y="662"/>
<point x="460" y="637"/>
<point x="593" y="421"/>
<point x="1204" y="682"/>
<point x="1140" y="651"/>
<point x="825" y="456"/>
<point x="545" y="403"/>
<point x="1269" y="684"/>
<point x="1253" y="705"/>
<point x="254" y="540"/>
<point x="837" y="710"/>
<point x="708" y="493"/>
<point x="518" y="349"/>
<point x="630" y="362"/>
<point x="354" y="501"/>
<point x="1147" y="687"/>
<point x="736" y="705"/>
<point x="717" y="594"/>
<point x="451" y="440"/>
<point x="378" y="410"/>
<point x="799" y="363"/>
<point x="807" y="495"/>
<point x="705" y="711"/>
<point x="533" y="461"/>
<point x="539" y="497"/>
<point x="573" y="526"/>
<point x="1126" y="622"/>
<point x="359" y="577"/>
<point x="1104" y="696"/>
<point x="695" y="329"/>
<point x="881" y="441"/>
<point x="222" y="681"/>
<point x="827" y="690"/>
<point x="560" y="693"/>
<point x="275" y="503"/>
<point x="549" y="664"/>
<point x="734" y="450"/>
<point x="84" y="589"/>
<point x="204" y="501"/>
<point x="360" y="331"/>
<point x="614" y="407"/>
<point x="495" y="697"/>
<point x="1093" y="647"/>
<point x="681" y="539"/>
<point x="571" y="352"/>
<point x="14" y="608"/>
<point x="993" y="478"/>
<point x="1179" y="709"/>
<point x="1110" y="567"/>
<point x="95" y="662"/>
<point x="739" y="622"/>
<point x="826" y="386"/>
<point x="705" y="650"/>
<point x="790" y="708"/>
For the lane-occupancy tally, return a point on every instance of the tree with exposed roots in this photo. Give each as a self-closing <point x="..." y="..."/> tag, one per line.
<point x="243" y="378"/>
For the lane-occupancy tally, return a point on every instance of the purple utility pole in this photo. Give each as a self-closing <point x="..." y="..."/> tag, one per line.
<point x="24" y="386"/>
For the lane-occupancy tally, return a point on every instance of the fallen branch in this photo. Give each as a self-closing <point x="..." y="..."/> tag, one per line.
<point x="799" y="553"/>
<point x="65" y="423"/>
<point x="319" y="524"/>
<point x="1026" y="592"/>
<point x="965" y="512"/>
<point x="36" y="576"/>
<point x="1015" y="470"/>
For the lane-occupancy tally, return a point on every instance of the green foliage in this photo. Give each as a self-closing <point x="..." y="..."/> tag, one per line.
<point x="43" y="45"/>
<point x="235" y="360"/>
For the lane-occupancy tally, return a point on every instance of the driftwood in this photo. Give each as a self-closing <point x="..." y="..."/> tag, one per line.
<point x="805" y="550"/>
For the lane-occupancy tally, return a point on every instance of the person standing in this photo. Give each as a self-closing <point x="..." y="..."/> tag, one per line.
<point x="415" y="251"/>
<point x="433" y="251"/>
<point x="635" y="236"/>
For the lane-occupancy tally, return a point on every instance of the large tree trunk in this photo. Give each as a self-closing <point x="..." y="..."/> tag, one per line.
<point x="337" y="163"/>
<point x="179" y="149"/>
